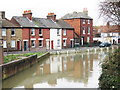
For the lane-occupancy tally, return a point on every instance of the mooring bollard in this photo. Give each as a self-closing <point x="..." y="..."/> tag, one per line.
<point x="95" y="50"/>
<point x="101" y="49"/>
<point x="107" y="49"/>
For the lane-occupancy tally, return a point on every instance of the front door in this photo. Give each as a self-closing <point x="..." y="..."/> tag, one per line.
<point x="47" y="44"/>
<point x="71" y="43"/>
<point x="52" y="44"/>
<point x="18" y="45"/>
<point x="25" y="45"/>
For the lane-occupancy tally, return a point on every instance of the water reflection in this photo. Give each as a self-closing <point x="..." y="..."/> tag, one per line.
<point x="61" y="71"/>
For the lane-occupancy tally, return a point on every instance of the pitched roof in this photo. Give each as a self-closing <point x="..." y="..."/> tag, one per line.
<point x="64" y="24"/>
<point x="24" y="22"/>
<point x="7" y="24"/>
<point x="45" y="23"/>
<point x="76" y="15"/>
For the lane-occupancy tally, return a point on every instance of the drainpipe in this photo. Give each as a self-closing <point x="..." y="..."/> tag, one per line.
<point x="1" y="50"/>
<point x="29" y="39"/>
<point x="80" y="30"/>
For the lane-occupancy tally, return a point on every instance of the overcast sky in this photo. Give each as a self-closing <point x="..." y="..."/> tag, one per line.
<point x="40" y="8"/>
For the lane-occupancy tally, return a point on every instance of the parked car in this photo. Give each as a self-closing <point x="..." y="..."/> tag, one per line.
<point x="105" y="45"/>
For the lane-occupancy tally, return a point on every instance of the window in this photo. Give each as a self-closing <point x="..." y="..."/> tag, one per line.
<point x="83" y="21"/>
<point x="4" y="44"/>
<point x="88" y="30"/>
<point x="40" y="43"/>
<point x="58" y="42"/>
<point x="3" y="32"/>
<point x="88" y="39"/>
<point x="33" y="43"/>
<point x="40" y="32"/>
<point x="13" y="43"/>
<point x="64" y="42"/>
<point x="99" y="30"/>
<point x="83" y="30"/>
<point x="88" y="21"/>
<point x="64" y="32"/>
<point x="33" y="32"/>
<point x="58" y="32"/>
<point x="13" y="32"/>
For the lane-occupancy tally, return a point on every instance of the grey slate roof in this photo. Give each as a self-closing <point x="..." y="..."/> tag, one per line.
<point x="7" y="24"/>
<point x="48" y="23"/>
<point x="64" y="24"/>
<point x="45" y="23"/>
<point x="24" y="22"/>
<point x="76" y="15"/>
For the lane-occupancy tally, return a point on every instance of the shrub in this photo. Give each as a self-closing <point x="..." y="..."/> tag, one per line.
<point x="110" y="77"/>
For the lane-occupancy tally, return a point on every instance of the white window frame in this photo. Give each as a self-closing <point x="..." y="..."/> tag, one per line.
<point x="58" y="32"/>
<point x="4" y="44"/>
<point x="32" y="43"/>
<point x="58" y="43"/>
<point x="12" y="43"/>
<point x="39" y="43"/>
<point x="41" y="31"/>
<point x="88" y="39"/>
<point x="88" y="21"/>
<point x="88" y="30"/>
<point x="64" y="43"/>
<point x="83" y="21"/>
<point x="84" y="30"/>
<point x="64" y="32"/>
<point x="32" y="32"/>
<point x="3" y="32"/>
<point x="11" y="32"/>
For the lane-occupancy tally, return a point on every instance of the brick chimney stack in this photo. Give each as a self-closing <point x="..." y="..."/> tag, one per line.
<point x="2" y="14"/>
<point x="85" y="11"/>
<point x="51" y="16"/>
<point x="28" y="14"/>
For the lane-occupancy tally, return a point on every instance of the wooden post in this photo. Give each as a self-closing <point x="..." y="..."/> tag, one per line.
<point x="1" y="51"/>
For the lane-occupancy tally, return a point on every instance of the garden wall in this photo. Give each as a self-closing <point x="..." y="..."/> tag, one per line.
<point x="10" y="69"/>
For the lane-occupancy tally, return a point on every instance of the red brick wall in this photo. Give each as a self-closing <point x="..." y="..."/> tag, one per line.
<point x="69" y="35"/>
<point x="46" y="35"/>
<point x="25" y="36"/>
<point x="76" y="24"/>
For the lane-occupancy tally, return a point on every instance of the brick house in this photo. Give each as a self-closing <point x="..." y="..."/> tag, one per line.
<point x="107" y="33"/>
<point x="29" y="30"/>
<point x="83" y="25"/>
<point x="11" y="34"/>
<point x="42" y="32"/>
<point x="59" y="33"/>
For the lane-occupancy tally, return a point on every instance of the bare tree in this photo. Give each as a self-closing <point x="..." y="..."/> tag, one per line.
<point x="110" y="10"/>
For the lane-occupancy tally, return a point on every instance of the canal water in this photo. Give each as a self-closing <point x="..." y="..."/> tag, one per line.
<point x="60" y="71"/>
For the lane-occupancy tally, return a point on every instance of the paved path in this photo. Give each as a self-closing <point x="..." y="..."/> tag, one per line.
<point x="41" y="50"/>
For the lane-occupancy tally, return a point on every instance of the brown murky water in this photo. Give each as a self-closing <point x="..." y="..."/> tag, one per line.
<point x="60" y="71"/>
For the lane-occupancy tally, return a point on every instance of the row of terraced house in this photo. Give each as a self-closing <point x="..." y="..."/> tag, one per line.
<point x="27" y="32"/>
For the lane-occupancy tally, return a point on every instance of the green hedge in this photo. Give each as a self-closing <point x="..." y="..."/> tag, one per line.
<point x="110" y="77"/>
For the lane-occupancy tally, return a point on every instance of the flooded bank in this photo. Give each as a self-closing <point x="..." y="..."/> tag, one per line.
<point x="60" y="71"/>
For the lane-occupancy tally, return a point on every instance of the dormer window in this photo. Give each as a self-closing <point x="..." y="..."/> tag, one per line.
<point x="13" y="32"/>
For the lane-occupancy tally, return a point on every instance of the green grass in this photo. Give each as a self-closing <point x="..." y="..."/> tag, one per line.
<point x="10" y="58"/>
